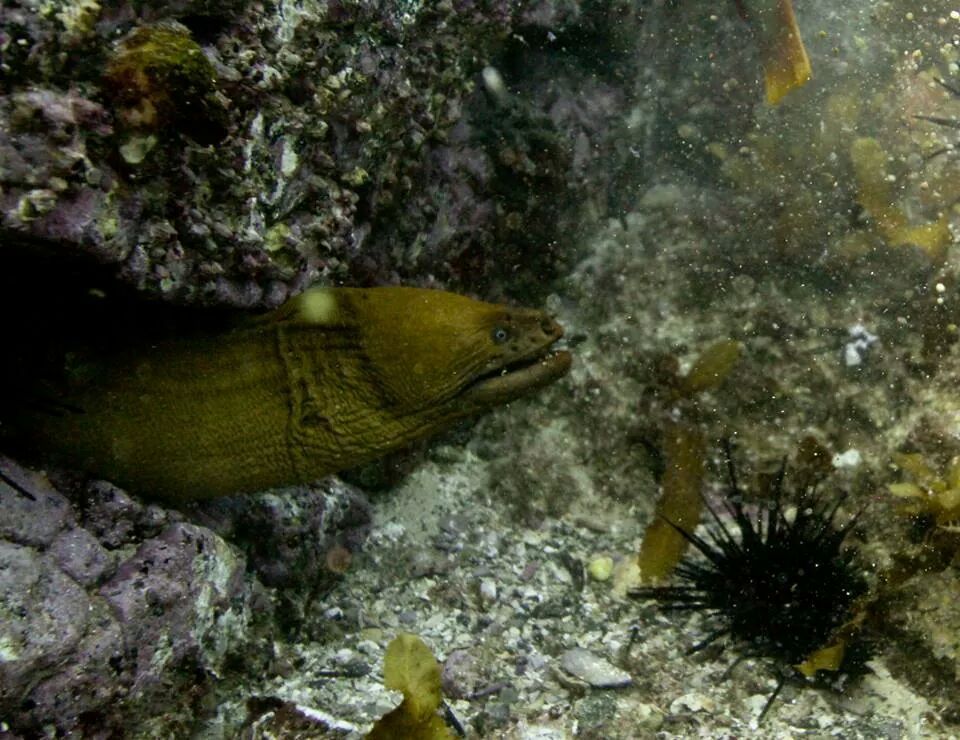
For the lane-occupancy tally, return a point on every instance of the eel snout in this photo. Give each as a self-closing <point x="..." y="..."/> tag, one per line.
<point x="535" y="363"/>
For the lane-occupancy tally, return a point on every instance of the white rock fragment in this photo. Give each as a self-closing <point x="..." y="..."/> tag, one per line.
<point x="539" y="732"/>
<point x="368" y="647"/>
<point x="494" y="84"/>
<point x="289" y="159"/>
<point x="849" y="459"/>
<point x="594" y="670"/>
<point x="626" y="575"/>
<point x="327" y="720"/>
<point x="756" y="703"/>
<point x="855" y="351"/>
<point x="692" y="703"/>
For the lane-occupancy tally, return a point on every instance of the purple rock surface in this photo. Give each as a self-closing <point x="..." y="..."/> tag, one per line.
<point x="114" y="611"/>
<point x="105" y="629"/>
<point x="352" y="142"/>
<point x="288" y="535"/>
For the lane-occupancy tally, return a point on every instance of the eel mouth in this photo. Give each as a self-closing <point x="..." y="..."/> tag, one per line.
<point x="517" y="379"/>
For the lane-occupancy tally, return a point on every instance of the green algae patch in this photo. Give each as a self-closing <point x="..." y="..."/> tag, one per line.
<point x="928" y="491"/>
<point x="276" y="237"/>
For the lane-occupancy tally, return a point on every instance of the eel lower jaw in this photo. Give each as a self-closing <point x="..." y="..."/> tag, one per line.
<point x="516" y="380"/>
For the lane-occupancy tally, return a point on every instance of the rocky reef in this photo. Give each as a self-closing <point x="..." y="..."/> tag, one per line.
<point x="234" y="153"/>
<point x="613" y="161"/>
<point x="231" y="154"/>
<point x="113" y="608"/>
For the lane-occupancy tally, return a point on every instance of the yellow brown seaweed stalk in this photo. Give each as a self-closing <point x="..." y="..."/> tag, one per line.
<point x="684" y="452"/>
<point x="410" y="668"/>
<point x="680" y="504"/>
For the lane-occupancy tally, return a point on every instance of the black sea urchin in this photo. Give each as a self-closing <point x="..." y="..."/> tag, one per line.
<point x="781" y="587"/>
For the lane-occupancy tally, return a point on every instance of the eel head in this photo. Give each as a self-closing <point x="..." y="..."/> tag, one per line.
<point x="440" y="355"/>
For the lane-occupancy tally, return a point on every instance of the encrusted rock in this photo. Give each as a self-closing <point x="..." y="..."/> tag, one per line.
<point x="82" y="557"/>
<point x="19" y="521"/>
<point x="297" y="537"/>
<point x="336" y="156"/>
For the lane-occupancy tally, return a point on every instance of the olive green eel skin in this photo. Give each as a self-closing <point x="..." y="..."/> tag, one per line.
<point x="332" y="379"/>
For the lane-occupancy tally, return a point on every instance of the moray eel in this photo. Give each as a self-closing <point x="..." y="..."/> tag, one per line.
<point x="331" y="379"/>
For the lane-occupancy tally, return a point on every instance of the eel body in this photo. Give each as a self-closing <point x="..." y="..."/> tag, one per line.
<point x="334" y="378"/>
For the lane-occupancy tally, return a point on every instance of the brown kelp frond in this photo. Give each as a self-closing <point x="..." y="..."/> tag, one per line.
<point x="410" y="668"/>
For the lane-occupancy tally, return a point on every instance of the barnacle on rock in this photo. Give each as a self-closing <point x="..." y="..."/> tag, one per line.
<point x="160" y="79"/>
<point x="78" y="17"/>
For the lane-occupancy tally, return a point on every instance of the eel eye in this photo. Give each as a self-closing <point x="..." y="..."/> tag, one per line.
<point x="499" y="335"/>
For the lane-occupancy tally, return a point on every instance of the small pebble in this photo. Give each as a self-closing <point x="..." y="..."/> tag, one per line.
<point x="529" y="571"/>
<point x="460" y="674"/>
<point x="600" y="568"/>
<point x="593" y="669"/>
<point x="488" y="591"/>
<point x="536" y="662"/>
<point x="425" y="563"/>
<point x="647" y="716"/>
